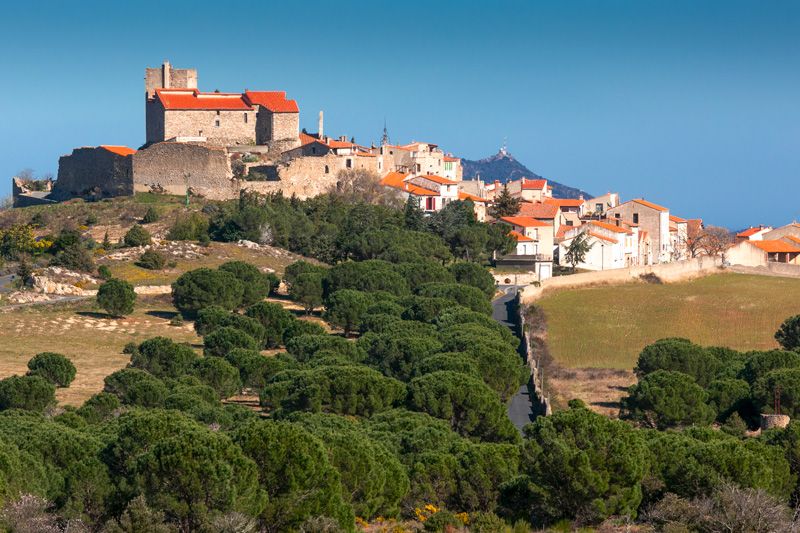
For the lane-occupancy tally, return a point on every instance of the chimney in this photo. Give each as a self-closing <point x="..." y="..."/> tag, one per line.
<point x="320" y="132"/>
<point x="343" y="138"/>
<point x="523" y="180"/>
<point x="165" y="72"/>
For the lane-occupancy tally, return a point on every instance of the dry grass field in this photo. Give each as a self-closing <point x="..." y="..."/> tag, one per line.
<point x="83" y="333"/>
<point x="594" y="335"/>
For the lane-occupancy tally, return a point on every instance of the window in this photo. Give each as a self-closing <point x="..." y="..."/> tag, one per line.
<point x="636" y="218"/>
<point x="216" y="123"/>
<point x="598" y="208"/>
<point x="418" y="167"/>
<point x="349" y="163"/>
<point x="245" y="118"/>
<point x="430" y="204"/>
<point x="217" y="112"/>
<point x="327" y="170"/>
<point x="616" y="215"/>
<point x="569" y="223"/>
<point x="313" y="149"/>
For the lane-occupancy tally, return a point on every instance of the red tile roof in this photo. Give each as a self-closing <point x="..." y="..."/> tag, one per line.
<point x="538" y="210"/>
<point x="275" y="101"/>
<point x="396" y="180"/>
<point x="650" y="204"/>
<point x="451" y="159"/>
<point x="119" y="150"/>
<point x="525" y="222"/>
<point x="609" y="227"/>
<point x="792" y="238"/>
<point x="677" y="220"/>
<point x="519" y="236"/>
<point x="436" y="179"/>
<point x="749" y="232"/>
<point x="468" y="196"/>
<point x="534" y="184"/>
<point x="775" y="246"/>
<point x="193" y="99"/>
<point x="601" y="237"/>
<point x="564" y="202"/>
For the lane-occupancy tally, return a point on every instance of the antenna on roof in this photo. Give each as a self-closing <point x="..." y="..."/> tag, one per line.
<point x="504" y="149"/>
<point x="385" y="136"/>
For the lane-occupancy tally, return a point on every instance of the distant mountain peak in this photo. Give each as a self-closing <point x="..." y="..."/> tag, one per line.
<point x="503" y="167"/>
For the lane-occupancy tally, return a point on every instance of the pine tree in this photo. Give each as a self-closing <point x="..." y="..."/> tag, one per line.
<point x="505" y="205"/>
<point x="413" y="215"/>
<point x="577" y="250"/>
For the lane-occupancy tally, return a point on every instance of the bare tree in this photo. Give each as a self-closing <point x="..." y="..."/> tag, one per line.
<point x="716" y="240"/>
<point x="361" y="185"/>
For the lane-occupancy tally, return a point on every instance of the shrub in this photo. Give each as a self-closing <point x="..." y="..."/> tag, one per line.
<point x="32" y="393"/>
<point x="189" y="227"/>
<point x="104" y="272"/>
<point x="222" y="340"/>
<point x="204" y="287"/>
<point x="152" y="260"/>
<point x="74" y="257"/>
<point x="666" y="399"/>
<point x="151" y="215"/>
<point x="257" y="285"/>
<point x="137" y="236"/>
<point x="788" y="335"/>
<point x="117" y="297"/>
<point x="54" y="367"/>
<point x="91" y="219"/>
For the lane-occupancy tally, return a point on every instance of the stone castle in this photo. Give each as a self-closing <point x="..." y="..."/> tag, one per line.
<point x="218" y="144"/>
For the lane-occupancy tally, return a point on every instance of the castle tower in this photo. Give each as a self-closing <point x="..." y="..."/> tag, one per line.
<point x="166" y="76"/>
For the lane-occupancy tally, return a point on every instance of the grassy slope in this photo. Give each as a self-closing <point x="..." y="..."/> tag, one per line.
<point x="607" y="327"/>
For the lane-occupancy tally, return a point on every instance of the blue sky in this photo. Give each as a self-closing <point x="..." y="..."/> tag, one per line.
<point x="691" y="104"/>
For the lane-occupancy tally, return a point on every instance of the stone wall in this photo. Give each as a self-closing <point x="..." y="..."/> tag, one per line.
<point x="94" y="172"/>
<point x="170" y="167"/>
<point x="167" y="76"/>
<point x="667" y="272"/>
<point x="235" y="127"/>
<point x="153" y="121"/>
<point x="769" y="269"/>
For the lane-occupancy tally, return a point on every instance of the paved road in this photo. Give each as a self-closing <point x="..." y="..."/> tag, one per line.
<point x="520" y="408"/>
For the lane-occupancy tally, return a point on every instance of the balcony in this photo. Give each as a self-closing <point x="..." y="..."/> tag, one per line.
<point x="522" y="260"/>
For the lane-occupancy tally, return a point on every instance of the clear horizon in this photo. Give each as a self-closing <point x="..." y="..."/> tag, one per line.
<point x="692" y="105"/>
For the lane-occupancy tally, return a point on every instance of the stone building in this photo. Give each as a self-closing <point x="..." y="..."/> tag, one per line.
<point x="649" y="217"/>
<point x="176" y="110"/>
<point x="94" y="172"/>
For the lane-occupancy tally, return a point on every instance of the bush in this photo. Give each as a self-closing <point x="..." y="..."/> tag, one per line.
<point x="137" y="236"/>
<point x="189" y="227"/>
<point x="257" y="285"/>
<point x="32" y="393"/>
<point x="666" y="399"/>
<point x="91" y="219"/>
<point x="104" y="272"/>
<point x="74" y="257"/>
<point x="54" y="367"/>
<point x="117" y="297"/>
<point x="204" y="287"/>
<point x="152" y="260"/>
<point x="222" y="340"/>
<point x="151" y="215"/>
<point x="788" y="335"/>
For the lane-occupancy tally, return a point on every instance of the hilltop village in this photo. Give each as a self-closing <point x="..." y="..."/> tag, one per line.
<point x="216" y="145"/>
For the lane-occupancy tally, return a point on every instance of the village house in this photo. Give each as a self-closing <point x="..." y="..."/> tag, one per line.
<point x="612" y="245"/>
<point x="431" y="192"/>
<point x="528" y="190"/>
<point x="649" y="217"/>
<point x="534" y="245"/>
<point x="598" y="206"/>
<point x="679" y="237"/>
<point x="418" y="158"/>
<point x="756" y="233"/>
<point x="792" y="229"/>
<point x="761" y="252"/>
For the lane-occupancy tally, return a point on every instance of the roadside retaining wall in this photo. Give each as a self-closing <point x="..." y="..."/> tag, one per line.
<point x="771" y="269"/>
<point x="532" y="361"/>
<point x="667" y="272"/>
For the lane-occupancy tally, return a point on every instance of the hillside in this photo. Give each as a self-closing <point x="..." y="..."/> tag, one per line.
<point x="504" y="167"/>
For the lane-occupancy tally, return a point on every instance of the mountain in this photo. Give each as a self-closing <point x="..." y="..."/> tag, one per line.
<point x="503" y="167"/>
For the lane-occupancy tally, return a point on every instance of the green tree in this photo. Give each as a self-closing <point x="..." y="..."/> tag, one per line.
<point x="345" y="308"/>
<point x="257" y="285"/>
<point x="679" y="355"/>
<point x="475" y="275"/>
<point x="189" y="227"/>
<point x="32" y="393"/>
<point x="117" y="297"/>
<point x="137" y="236"/>
<point x="728" y="396"/>
<point x="164" y="358"/>
<point x="578" y="247"/>
<point x="222" y="340"/>
<point x="99" y="408"/>
<point x="786" y="383"/>
<point x="413" y="215"/>
<point x="138" y="518"/>
<point x="396" y="354"/>
<point x="210" y="318"/>
<point x="304" y="347"/>
<point x="152" y="260"/>
<point x="151" y="215"/>
<point x="505" y="205"/>
<point x="759" y="364"/>
<point x="577" y="463"/>
<point x="788" y="335"/>
<point x="298" y="268"/>
<point x="275" y="319"/>
<point x="294" y="469"/>
<point x="302" y="327"/>
<point x="204" y="287"/>
<point x="471" y="407"/>
<point x="54" y="367"/>
<point x="307" y="290"/>
<point x="465" y="295"/>
<point x="666" y="398"/>
<point x="219" y="375"/>
<point x="136" y="387"/>
<point x="367" y="276"/>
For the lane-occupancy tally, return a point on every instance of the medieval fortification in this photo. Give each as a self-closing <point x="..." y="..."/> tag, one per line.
<point x="215" y="145"/>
